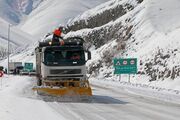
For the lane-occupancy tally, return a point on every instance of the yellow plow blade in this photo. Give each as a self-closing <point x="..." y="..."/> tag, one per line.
<point x="65" y="88"/>
<point x="68" y="91"/>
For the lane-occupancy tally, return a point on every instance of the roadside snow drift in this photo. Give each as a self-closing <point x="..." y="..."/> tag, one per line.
<point x="17" y="102"/>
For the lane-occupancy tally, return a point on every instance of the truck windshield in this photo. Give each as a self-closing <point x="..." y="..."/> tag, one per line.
<point x="64" y="58"/>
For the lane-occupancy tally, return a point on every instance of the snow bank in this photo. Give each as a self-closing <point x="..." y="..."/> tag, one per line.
<point x="16" y="105"/>
<point x="144" y="90"/>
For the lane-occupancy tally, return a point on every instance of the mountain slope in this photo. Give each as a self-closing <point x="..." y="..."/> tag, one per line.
<point x="42" y="20"/>
<point x="51" y="13"/>
<point x="141" y="31"/>
<point x="14" y="11"/>
<point x="18" y="38"/>
<point x="148" y="31"/>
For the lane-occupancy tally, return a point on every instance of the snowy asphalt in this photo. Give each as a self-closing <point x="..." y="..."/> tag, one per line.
<point x="18" y="102"/>
<point x="108" y="104"/>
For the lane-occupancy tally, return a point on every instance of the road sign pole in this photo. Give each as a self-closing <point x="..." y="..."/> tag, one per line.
<point x="129" y="78"/>
<point x="9" y="26"/>
<point x="120" y="77"/>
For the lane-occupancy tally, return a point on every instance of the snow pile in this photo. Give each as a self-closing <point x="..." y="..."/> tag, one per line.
<point x="16" y="104"/>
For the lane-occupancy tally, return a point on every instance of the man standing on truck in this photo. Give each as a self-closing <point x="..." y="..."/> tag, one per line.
<point x="57" y="35"/>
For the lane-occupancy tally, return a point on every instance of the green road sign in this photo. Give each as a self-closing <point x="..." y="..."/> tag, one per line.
<point x="28" y="66"/>
<point x="125" y="66"/>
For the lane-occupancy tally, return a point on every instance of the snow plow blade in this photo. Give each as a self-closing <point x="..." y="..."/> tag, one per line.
<point x="69" y="89"/>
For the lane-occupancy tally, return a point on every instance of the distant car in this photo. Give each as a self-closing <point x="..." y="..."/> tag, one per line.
<point x="32" y="73"/>
<point x="24" y="72"/>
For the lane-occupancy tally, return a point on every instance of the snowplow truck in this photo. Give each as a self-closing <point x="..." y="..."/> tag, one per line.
<point x="61" y="69"/>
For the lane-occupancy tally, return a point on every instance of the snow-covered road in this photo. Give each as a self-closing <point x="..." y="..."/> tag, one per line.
<point x="118" y="105"/>
<point x="17" y="102"/>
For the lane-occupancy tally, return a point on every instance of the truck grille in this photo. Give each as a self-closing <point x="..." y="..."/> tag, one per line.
<point x="66" y="71"/>
<point x="74" y="77"/>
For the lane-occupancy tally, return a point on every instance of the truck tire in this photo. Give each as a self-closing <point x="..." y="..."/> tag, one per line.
<point x="39" y="82"/>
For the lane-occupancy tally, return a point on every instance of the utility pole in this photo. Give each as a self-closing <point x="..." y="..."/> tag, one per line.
<point x="9" y="27"/>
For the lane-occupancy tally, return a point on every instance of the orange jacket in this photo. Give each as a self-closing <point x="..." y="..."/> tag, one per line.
<point x="57" y="32"/>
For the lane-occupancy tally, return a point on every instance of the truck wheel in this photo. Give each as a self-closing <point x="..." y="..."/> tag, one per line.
<point x="39" y="82"/>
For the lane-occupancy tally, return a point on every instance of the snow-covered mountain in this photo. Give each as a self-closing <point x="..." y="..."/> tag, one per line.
<point x="14" y="11"/>
<point x="19" y="40"/>
<point x="37" y="17"/>
<point x="144" y="29"/>
<point x="147" y="30"/>
<point x="51" y="13"/>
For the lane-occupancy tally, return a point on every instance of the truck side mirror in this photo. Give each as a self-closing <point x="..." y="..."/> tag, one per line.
<point x="40" y="50"/>
<point x="89" y="55"/>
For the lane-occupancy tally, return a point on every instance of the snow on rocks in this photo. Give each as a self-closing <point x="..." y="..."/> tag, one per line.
<point x="144" y="33"/>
